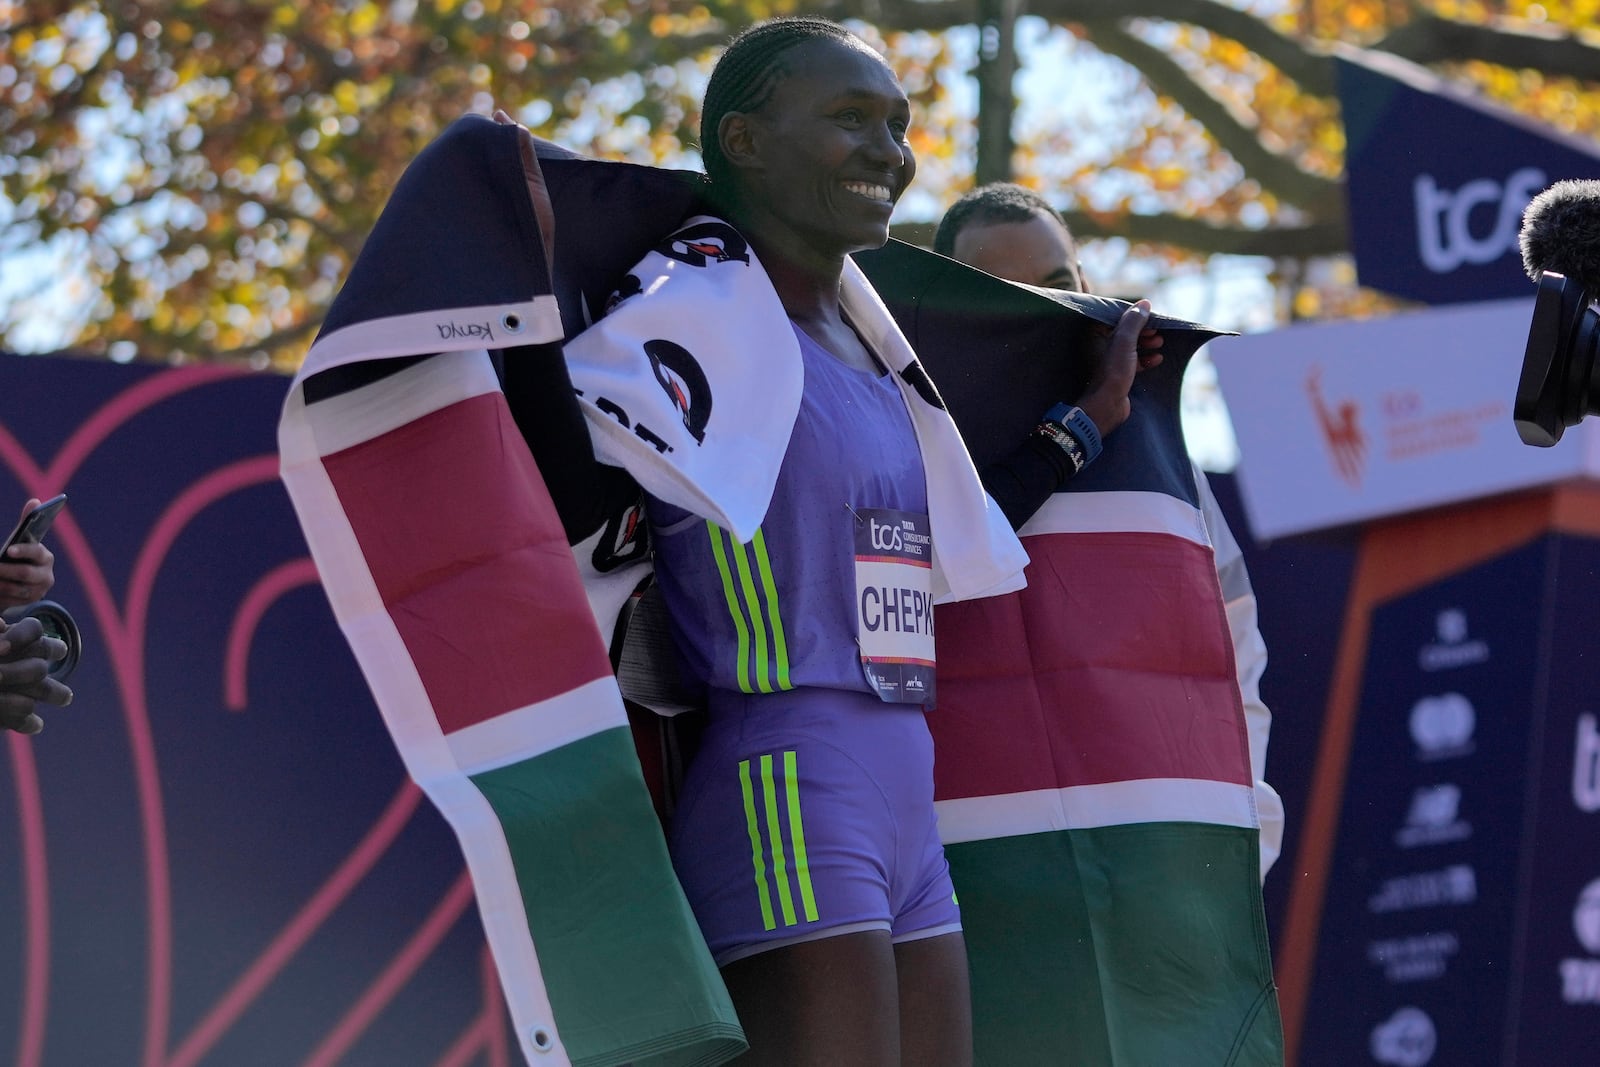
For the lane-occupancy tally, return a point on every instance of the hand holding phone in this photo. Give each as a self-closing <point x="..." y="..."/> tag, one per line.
<point x="27" y="578"/>
<point x="34" y="524"/>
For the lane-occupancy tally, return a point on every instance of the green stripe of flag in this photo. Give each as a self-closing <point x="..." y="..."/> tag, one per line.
<point x="1118" y="946"/>
<point x="607" y="915"/>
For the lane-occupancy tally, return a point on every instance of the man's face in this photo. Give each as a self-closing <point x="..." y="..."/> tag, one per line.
<point x="1036" y="252"/>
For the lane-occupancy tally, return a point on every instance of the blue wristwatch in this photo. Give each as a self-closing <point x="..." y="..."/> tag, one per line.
<point x="1079" y="425"/>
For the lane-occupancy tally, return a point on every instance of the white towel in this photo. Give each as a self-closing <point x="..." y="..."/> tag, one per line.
<point x="692" y="382"/>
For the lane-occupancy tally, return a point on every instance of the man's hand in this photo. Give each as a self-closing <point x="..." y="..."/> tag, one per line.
<point x="26" y="571"/>
<point x="25" y="658"/>
<point x="1119" y="355"/>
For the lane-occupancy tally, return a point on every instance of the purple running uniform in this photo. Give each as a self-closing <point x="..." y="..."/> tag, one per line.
<point x="808" y="811"/>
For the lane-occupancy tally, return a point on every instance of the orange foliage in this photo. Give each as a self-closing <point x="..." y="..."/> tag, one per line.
<point x="212" y="168"/>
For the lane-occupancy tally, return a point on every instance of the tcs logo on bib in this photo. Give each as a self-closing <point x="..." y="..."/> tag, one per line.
<point x="885" y="536"/>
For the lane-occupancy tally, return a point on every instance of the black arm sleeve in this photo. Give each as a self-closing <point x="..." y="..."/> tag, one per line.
<point x="1024" y="480"/>
<point x="539" y="391"/>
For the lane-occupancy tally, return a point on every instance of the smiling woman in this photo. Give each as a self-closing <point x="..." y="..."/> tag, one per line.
<point x="806" y="496"/>
<point x="805" y="835"/>
<point x="804" y="133"/>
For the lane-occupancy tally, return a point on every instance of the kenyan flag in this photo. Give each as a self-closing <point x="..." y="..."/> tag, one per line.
<point x="1091" y="764"/>
<point x="452" y="578"/>
<point x="1096" y="801"/>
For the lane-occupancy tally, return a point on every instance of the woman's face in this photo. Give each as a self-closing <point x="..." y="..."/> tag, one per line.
<point x="826" y="157"/>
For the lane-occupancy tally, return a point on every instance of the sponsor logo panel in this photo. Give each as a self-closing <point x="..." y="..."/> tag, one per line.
<point x="1414" y="958"/>
<point x="1434" y="817"/>
<point x="1448" y="886"/>
<point x="1453" y="647"/>
<point x="1406" y="1039"/>
<point x="1442" y="726"/>
<point x="1586" y="765"/>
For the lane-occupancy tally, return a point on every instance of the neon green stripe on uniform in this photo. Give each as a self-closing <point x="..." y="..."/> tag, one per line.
<point x="780" y="650"/>
<point x="763" y="668"/>
<point x="797" y="833"/>
<point x="733" y="606"/>
<point x="757" y="858"/>
<point x="780" y="872"/>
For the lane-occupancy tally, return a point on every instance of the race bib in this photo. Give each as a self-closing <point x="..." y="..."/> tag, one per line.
<point x="894" y="604"/>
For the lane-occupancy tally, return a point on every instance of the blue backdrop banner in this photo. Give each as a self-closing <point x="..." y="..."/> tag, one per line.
<point x="213" y="856"/>
<point x="1437" y="182"/>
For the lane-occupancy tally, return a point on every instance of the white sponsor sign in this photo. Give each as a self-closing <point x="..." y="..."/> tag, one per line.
<point x="1348" y="421"/>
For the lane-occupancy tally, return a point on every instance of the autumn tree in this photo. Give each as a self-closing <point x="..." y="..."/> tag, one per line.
<point x="207" y="171"/>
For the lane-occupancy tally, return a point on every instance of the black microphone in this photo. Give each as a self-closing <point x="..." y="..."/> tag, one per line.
<point x="1560" y="242"/>
<point x="1561" y="233"/>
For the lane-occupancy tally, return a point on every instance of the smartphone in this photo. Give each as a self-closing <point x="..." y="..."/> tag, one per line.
<point x="34" y="524"/>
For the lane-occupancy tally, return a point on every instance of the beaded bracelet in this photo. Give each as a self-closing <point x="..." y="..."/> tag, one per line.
<point x="1057" y="435"/>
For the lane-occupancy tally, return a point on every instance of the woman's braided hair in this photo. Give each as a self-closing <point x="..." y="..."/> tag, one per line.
<point x="748" y="72"/>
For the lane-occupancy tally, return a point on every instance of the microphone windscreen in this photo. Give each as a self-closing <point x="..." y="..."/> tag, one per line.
<point x="1561" y="232"/>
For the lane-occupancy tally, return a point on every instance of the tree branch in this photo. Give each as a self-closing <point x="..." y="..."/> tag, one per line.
<point x="1233" y="131"/>
<point x="1552" y="50"/>
<point x="1427" y="38"/>
<point x="1308" y="67"/>
<point x="1315" y="239"/>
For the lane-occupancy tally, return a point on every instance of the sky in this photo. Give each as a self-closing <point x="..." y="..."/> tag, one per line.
<point x="1230" y="293"/>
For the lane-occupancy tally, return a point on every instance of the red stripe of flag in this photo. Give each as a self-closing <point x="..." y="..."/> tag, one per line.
<point x="479" y="581"/>
<point x="1124" y="639"/>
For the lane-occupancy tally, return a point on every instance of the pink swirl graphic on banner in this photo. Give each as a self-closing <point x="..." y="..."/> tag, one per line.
<point x="40" y="482"/>
<point x="125" y="630"/>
